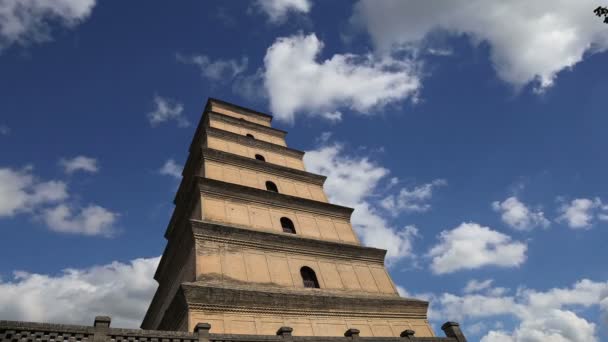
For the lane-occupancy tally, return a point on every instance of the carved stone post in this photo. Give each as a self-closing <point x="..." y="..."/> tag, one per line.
<point x="202" y="330"/>
<point x="101" y="327"/>
<point x="452" y="329"/>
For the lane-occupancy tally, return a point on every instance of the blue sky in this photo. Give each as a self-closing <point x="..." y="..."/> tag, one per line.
<point x="470" y="137"/>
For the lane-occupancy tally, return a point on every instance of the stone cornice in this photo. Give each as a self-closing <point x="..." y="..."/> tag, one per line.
<point x="244" y="140"/>
<point x="206" y="231"/>
<point x="240" y="109"/>
<point x="230" y="158"/>
<point x="252" y="125"/>
<point x="300" y="302"/>
<point x="247" y="194"/>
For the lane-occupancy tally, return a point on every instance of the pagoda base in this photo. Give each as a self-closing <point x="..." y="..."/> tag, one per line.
<point x="310" y="312"/>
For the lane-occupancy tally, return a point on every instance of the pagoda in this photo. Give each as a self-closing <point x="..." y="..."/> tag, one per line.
<point x="254" y="244"/>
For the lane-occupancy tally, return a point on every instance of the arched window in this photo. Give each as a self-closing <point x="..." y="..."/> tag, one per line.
<point x="309" y="277"/>
<point x="287" y="225"/>
<point x="250" y="136"/>
<point x="270" y="186"/>
<point x="260" y="157"/>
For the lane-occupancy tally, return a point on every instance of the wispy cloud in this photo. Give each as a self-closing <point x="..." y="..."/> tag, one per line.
<point x="167" y="110"/>
<point x="5" y="130"/>
<point x="171" y="168"/>
<point x="278" y="10"/>
<point x="79" y="163"/>
<point x="218" y="70"/>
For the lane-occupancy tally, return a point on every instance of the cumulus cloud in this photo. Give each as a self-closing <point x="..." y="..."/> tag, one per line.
<point x="21" y="191"/>
<point x="471" y="246"/>
<point x="167" y="110"/>
<point x="413" y="200"/>
<point x="540" y="315"/>
<point x="528" y="41"/>
<point x="517" y="215"/>
<point x="298" y="81"/>
<point x="580" y="213"/>
<point x="171" y="168"/>
<point x="91" y="220"/>
<point x="79" y="163"/>
<point x="217" y="70"/>
<point x="277" y="10"/>
<point x="120" y="290"/>
<point x="29" y="21"/>
<point x="351" y="181"/>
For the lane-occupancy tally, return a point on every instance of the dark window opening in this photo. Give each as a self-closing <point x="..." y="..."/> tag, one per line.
<point x="287" y="225"/>
<point x="270" y="186"/>
<point x="250" y="136"/>
<point x="260" y="157"/>
<point x="309" y="277"/>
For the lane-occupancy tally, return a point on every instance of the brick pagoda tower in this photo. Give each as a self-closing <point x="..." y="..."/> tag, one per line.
<point x="254" y="245"/>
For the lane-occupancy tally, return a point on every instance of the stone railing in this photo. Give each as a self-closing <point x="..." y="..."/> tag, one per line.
<point x="12" y="331"/>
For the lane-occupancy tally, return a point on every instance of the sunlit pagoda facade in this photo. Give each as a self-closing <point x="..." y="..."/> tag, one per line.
<point x="255" y="252"/>
<point x="254" y="244"/>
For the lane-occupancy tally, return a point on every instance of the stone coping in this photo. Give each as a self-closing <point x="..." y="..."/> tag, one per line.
<point x="17" y="331"/>
<point x="249" y="194"/>
<point x="205" y="230"/>
<point x="237" y="107"/>
<point x="228" y="297"/>
<point x="242" y="122"/>
<point x="283" y="171"/>
<point x="247" y="141"/>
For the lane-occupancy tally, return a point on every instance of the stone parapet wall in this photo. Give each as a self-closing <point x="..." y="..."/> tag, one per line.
<point x="13" y="331"/>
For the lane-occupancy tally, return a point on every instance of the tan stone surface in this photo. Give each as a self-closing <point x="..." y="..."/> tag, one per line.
<point x="218" y="108"/>
<point x="257" y="179"/>
<point x="244" y="131"/>
<point x="246" y="151"/>
<point x="227" y="263"/>
<point x="259" y="216"/>
<point x="268" y="324"/>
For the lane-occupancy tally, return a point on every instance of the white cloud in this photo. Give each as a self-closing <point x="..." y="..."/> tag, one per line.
<point x="277" y="10"/>
<point x="351" y="181"/>
<point x="475" y="285"/>
<point x="5" y="130"/>
<point x="471" y="246"/>
<point x="528" y="41"/>
<point x="217" y="70"/>
<point x="120" y="290"/>
<point x="79" y="163"/>
<point x="171" y="168"/>
<point x="20" y="191"/>
<point x="91" y="220"/>
<point x="413" y="200"/>
<point x="29" y="21"/>
<point x="296" y="82"/>
<point x="517" y="215"/>
<point x="581" y="212"/>
<point x="167" y="110"/>
<point x="541" y="316"/>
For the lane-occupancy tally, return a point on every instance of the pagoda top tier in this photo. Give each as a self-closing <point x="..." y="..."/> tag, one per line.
<point x="230" y="109"/>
